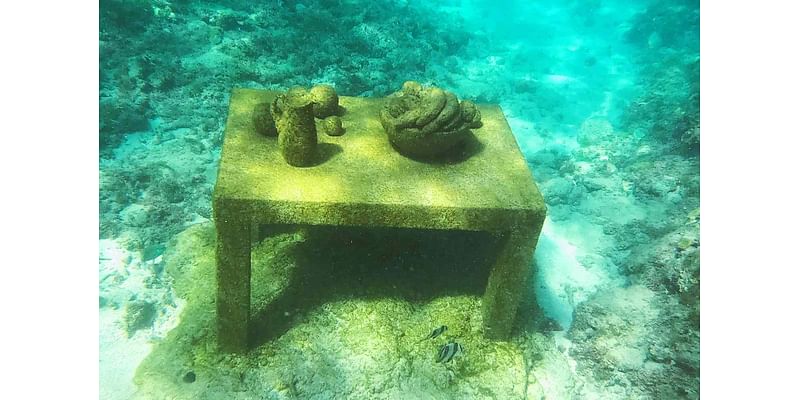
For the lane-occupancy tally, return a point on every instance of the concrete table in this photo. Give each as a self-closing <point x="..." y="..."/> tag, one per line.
<point x="364" y="182"/>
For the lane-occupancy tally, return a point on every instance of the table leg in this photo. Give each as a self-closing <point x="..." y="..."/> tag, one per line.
<point x="233" y="283"/>
<point x="506" y="283"/>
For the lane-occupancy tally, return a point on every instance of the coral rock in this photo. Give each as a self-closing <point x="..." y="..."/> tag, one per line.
<point x="139" y="315"/>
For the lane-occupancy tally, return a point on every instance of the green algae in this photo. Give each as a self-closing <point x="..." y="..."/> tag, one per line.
<point x="335" y="326"/>
<point x="364" y="182"/>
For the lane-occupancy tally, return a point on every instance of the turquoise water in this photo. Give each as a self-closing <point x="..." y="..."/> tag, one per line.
<point x="603" y="99"/>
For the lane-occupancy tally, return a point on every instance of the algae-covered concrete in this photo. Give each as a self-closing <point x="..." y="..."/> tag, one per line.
<point x="360" y="180"/>
<point x="354" y="333"/>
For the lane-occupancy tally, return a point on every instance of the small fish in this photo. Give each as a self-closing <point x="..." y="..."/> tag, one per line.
<point x="436" y="332"/>
<point x="448" y="351"/>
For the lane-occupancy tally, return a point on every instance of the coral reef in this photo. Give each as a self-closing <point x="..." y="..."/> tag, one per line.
<point x="119" y="114"/>
<point x="608" y="123"/>
<point x="637" y="206"/>
<point x="667" y="108"/>
<point x="638" y="342"/>
<point x="427" y="121"/>
<point x="671" y="263"/>
<point x="359" y="328"/>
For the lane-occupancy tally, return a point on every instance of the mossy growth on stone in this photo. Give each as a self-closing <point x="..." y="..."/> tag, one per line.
<point x="489" y="187"/>
<point x="326" y="101"/>
<point x="332" y="126"/>
<point x="364" y="182"/>
<point x="297" y="131"/>
<point x="426" y="122"/>
<point x="263" y="121"/>
<point x="339" y="313"/>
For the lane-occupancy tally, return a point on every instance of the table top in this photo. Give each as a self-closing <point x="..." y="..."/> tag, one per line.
<point x="362" y="168"/>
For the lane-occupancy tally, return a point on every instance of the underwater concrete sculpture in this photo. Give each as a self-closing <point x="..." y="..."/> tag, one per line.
<point x="332" y="126"/>
<point x="297" y="132"/>
<point x="263" y="121"/>
<point x="426" y="122"/>
<point x="326" y="101"/>
<point x="368" y="184"/>
<point x="290" y="116"/>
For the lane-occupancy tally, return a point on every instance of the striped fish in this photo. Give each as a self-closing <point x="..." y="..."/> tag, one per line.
<point x="448" y="351"/>
<point x="436" y="332"/>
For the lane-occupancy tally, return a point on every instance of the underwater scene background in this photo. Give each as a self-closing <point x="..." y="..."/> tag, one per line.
<point x="603" y="99"/>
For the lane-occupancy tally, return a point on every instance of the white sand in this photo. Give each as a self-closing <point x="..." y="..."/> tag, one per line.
<point x="119" y="357"/>
<point x="122" y="276"/>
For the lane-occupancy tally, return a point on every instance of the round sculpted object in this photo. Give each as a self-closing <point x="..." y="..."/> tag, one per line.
<point x="427" y="121"/>
<point x="326" y="101"/>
